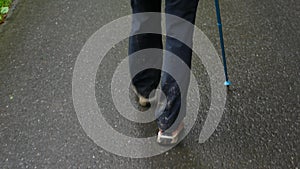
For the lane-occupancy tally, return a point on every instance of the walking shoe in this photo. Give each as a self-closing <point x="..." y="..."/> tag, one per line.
<point x="169" y="138"/>
<point x="143" y="101"/>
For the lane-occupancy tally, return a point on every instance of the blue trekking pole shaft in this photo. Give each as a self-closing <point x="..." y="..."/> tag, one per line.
<point x="227" y="82"/>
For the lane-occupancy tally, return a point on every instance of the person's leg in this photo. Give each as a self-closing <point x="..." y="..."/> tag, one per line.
<point x="147" y="80"/>
<point x="169" y="119"/>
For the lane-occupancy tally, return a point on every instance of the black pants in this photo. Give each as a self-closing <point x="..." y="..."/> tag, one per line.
<point x="149" y="79"/>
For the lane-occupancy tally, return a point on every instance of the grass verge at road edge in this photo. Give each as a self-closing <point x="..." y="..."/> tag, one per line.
<point x="4" y="8"/>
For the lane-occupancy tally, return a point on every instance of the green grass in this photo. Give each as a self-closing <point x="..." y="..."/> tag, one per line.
<point x="4" y="5"/>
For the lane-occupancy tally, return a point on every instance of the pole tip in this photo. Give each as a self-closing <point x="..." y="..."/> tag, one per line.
<point x="227" y="83"/>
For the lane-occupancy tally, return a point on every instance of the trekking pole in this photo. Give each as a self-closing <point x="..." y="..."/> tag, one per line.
<point x="227" y="82"/>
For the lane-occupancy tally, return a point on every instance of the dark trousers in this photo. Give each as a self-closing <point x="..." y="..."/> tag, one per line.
<point x="148" y="80"/>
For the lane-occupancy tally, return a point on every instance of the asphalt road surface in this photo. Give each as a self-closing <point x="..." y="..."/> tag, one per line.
<point x="39" y="128"/>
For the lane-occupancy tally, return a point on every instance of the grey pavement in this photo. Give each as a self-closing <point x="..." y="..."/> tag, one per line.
<point x="39" y="128"/>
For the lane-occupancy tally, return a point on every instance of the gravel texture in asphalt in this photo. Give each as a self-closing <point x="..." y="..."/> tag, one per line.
<point x="39" y="128"/>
